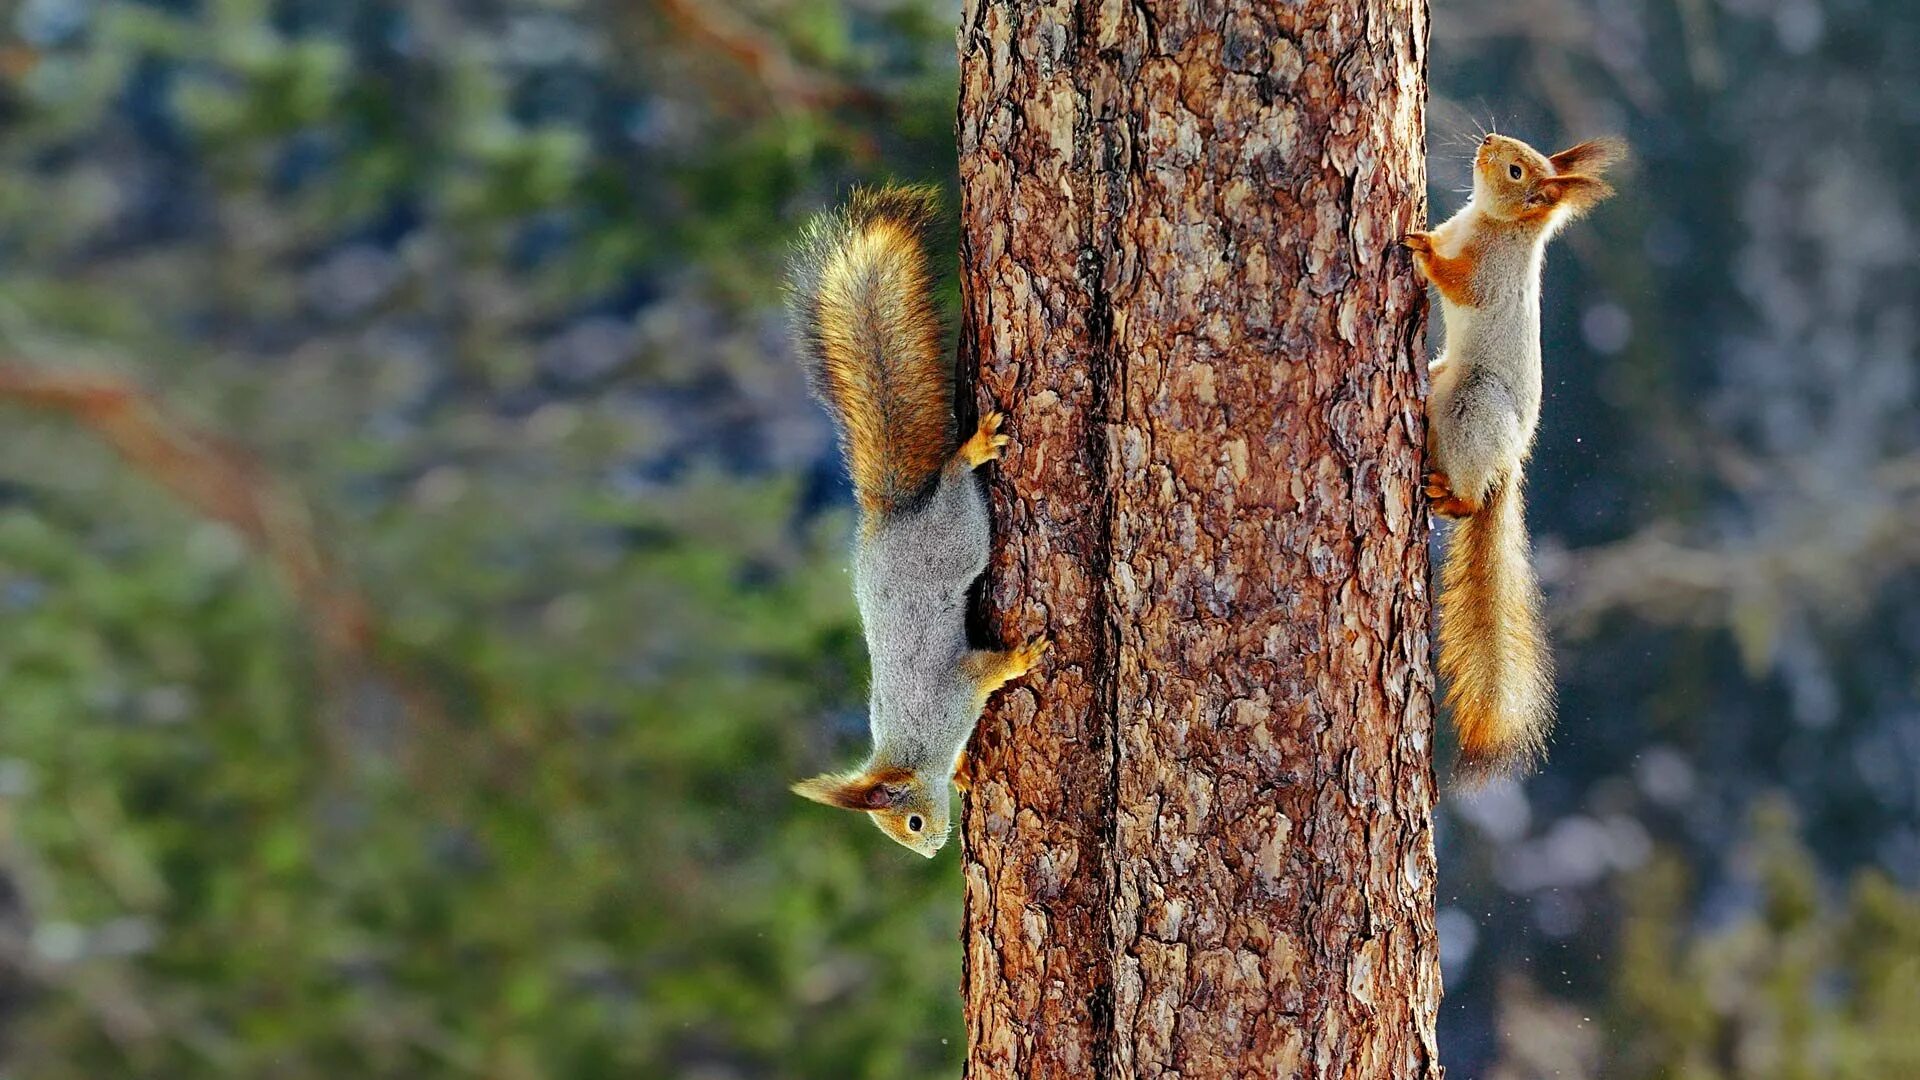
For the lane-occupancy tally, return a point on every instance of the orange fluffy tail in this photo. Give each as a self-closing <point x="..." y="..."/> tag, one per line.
<point x="862" y="298"/>
<point x="1493" y="642"/>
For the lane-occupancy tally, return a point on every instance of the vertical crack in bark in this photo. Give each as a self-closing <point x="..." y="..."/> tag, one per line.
<point x="1092" y="151"/>
<point x="1111" y="410"/>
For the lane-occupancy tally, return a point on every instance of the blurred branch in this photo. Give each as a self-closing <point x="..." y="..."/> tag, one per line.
<point x="787" y="82"/>
<point x="1833" y="554"/>
<point x="220" y="481"/>
<point x="212" y="476"/>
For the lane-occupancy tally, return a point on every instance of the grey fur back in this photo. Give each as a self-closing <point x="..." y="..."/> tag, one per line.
<point x="911" y="577"/>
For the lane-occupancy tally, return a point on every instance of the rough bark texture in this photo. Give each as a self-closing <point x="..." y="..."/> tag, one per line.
<point x="1200" y="844"/>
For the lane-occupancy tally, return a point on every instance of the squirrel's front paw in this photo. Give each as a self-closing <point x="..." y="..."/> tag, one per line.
<point x="1417" y="241"/>
<point x="963" y="772"/>
<point x="986" y="443"/>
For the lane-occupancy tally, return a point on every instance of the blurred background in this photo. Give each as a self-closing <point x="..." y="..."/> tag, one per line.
<point x="444" y="730"/>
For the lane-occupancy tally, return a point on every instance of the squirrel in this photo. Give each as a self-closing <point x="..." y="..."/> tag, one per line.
<point x="862" y="304"/>
<point x="1484" y="407"/>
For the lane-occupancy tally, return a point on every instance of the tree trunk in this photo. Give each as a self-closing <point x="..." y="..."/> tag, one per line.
<point x="1200" y="843"/>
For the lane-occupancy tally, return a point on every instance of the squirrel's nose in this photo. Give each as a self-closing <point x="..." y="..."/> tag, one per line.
<point x="1488" y="141"/>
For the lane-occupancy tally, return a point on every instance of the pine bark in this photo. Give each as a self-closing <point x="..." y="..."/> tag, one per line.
<point x="1200" y="841"/>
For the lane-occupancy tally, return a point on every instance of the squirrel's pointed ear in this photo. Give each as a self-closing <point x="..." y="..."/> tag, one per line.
<point x="877" y="789"/>
<point x="1576" y="194"/>
<point x="1591" y="157"/>
<point x="847" y="791"/>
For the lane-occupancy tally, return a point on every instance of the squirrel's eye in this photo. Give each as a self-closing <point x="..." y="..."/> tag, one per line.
<point x="914" y="823"/>
<point x="1514" y="171"/>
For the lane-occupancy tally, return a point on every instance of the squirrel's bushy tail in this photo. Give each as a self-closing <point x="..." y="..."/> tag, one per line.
<point x="1493" y="641"/>
<point x="862" y="300"/>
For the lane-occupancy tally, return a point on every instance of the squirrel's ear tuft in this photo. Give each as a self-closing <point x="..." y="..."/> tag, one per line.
<point x="1592" y="157"/>
<point x="848" y="792"/>
<point x="878" y="789"/>
<point x="1573" y="194"/>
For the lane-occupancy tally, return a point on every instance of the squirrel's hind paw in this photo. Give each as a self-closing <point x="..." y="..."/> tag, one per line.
<point x="1445" y="503"/>
<point x="994" y="669"/>
<point x="986" y="443"/>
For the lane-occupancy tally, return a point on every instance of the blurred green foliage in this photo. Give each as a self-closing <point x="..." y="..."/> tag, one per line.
<point x="1802" y="985"/>
<point x="582" y="875"/>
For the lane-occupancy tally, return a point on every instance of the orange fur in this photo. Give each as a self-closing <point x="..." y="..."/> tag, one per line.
<point x="1493" y="641"/>
<point x="862" y="289"/>
<point x="1453" y="277"/>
